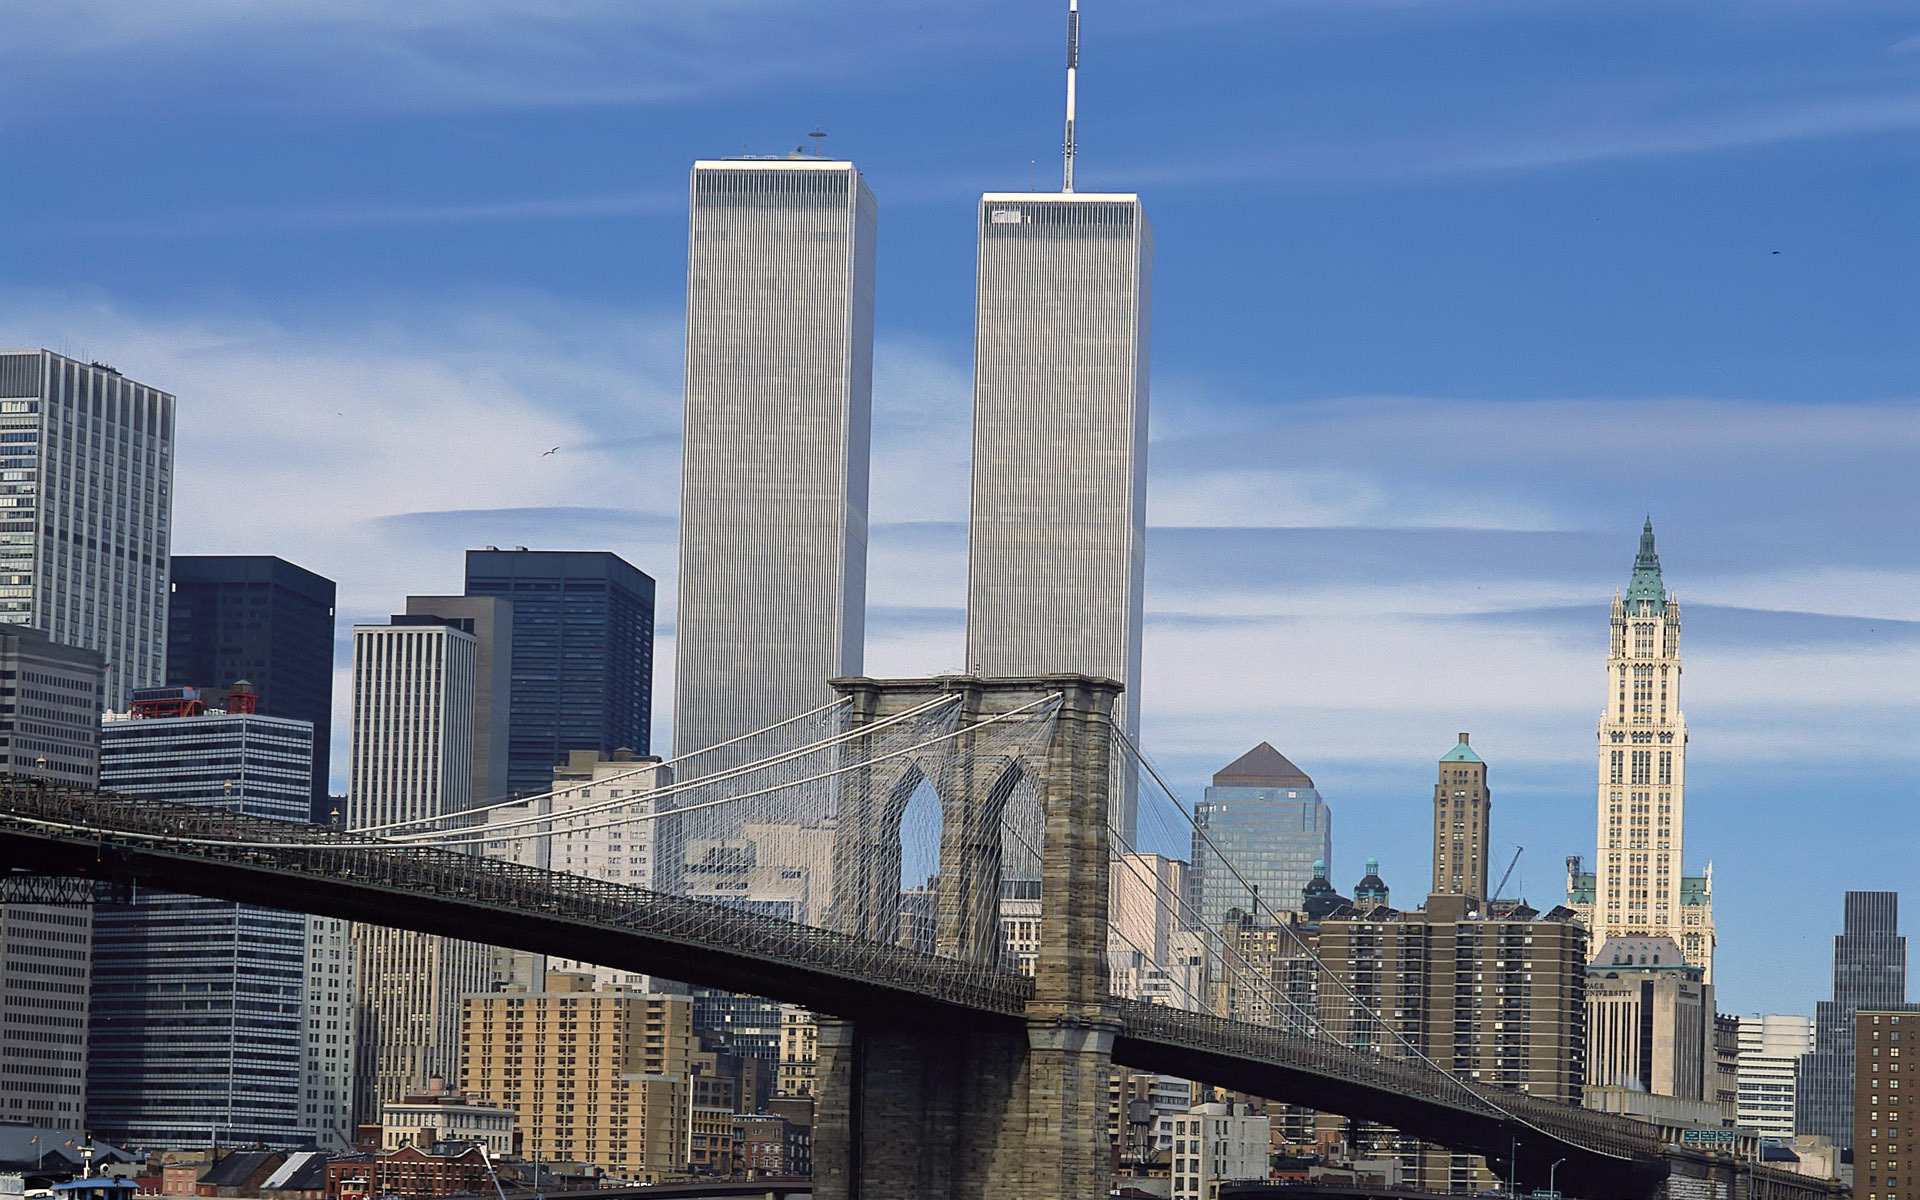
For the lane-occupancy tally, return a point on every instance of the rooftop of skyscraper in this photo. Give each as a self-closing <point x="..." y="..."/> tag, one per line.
<point x="1262" y="766"/>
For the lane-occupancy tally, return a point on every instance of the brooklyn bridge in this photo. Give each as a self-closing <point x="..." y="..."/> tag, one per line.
<point x="944" y="1070"/>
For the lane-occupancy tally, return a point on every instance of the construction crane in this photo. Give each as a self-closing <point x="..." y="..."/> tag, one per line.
<point x="1502" y="885"/>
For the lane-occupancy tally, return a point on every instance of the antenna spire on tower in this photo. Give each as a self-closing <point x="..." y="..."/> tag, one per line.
<point x="1073" y="68"/>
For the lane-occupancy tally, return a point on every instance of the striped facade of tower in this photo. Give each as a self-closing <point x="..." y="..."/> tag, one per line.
<point x="1638" y="885"/>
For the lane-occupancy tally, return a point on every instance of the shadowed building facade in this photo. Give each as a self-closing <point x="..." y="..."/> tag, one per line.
<point x="1869" y="972"/>
<point x="262" y="619"/>
<point x="581" y="656"/>
<point x="1056" y="554"/>
<point x="779" y="390"/>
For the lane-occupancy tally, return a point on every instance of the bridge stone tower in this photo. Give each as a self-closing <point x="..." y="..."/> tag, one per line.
<point x="1015" y="1111"/>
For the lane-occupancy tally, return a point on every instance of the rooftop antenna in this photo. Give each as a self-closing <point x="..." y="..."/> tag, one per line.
<point x="1073" y="69"/>
<point x="817" y="134"/>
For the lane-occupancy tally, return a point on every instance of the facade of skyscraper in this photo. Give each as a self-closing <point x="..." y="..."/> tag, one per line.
<point x="602" y="1077"/>
<point x="1462" y="809"/>
<point x="262" y="619"/>
<point x="330" y="999"/>
<point x="1650" y="1020"/>
<point x="1639" y="887"/>
<point x="1264" y="816"/>
<point x="490" y="620"/>
<point x="1886" y="1145"/>
<point x="1525" y="1029"/>
<point x="198" y="1005"/>
<point x="411" y="757"/>
<point x="1869" y="972"/>
<point x="628" y="855"/>
<point x="1056" y="556"/>
<point x="582" y="675"/>
<point x="85" y="536"/>
<point x="50" y="697"/>
<point x="779" y="396"/>
<point x="1771" y="1047"/>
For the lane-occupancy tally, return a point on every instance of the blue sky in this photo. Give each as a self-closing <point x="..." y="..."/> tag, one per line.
<point x="1449" y="295"/>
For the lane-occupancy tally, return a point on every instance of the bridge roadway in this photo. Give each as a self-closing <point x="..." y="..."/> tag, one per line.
<point x="56" y="831"/>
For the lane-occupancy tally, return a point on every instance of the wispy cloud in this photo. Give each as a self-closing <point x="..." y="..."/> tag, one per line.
<point x="1532" y="140"/>
<point x="232" y="222"/>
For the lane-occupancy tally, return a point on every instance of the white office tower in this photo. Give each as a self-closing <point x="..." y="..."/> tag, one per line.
<point x="46" y="950"/>
<point x="1057" y="544"/>
<point x="619" y="844"/>
<point x="198" y="1005"/>
<point x="773" y="511"/>
<point x="410" y="757"/>
<point x="86" y="493"/>
<point x="1769" y="1069"/>
<point x="327" y="1054"/>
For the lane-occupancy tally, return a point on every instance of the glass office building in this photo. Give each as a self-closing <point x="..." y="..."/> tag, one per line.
<point x="582" y="657"/>
<point x="1869" y="971"/>
<point x="262" y="619"/>
<point x="197" y="1025"/>
<point x="1264" y="816"/>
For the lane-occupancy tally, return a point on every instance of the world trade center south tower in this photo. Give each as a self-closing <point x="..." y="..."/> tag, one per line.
<point x="773" y="512"/>
<point x="1057" y="541"/>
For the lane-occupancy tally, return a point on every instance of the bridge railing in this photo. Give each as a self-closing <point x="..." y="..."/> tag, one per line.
<point x="301" y="849"/>
<point x="1600" y="1132"/>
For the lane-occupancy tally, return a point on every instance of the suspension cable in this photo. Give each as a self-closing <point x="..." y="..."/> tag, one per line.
<point x="655" y="795"/>
<point x="508" y="802"/>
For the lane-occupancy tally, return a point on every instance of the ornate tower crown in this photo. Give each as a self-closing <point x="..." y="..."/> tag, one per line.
<point x="1646" y="594"/>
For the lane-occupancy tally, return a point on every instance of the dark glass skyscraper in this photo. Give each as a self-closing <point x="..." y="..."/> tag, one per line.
<point x="262" y="619"/>
<point x="1869" y="971"/>
<point x="582" y="676"/>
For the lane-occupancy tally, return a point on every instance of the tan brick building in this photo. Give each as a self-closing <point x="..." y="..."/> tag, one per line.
<point x="1493" y="992"/>
<point x="594" y="1076"/>
<point x="1886" y="1103"/>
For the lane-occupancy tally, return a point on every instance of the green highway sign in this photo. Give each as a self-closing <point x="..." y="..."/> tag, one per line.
<point x="1706" y="1137"/>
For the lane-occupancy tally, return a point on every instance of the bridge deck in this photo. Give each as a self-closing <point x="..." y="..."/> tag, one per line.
<point x="212" y="852"/>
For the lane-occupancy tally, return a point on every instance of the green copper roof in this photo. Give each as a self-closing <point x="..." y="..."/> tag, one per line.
<point x="1461" y="753"/>
<point x="1646" y="593"/>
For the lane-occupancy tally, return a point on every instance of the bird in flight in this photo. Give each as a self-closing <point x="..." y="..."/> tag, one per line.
<point x="544" y="453"/>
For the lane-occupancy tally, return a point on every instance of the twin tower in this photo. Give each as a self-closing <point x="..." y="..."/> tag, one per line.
<point x="779" y="398"/>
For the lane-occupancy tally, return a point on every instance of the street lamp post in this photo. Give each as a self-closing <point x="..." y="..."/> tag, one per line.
<point x="1550" y="1173"/>
<point x="1513" y="1170"/>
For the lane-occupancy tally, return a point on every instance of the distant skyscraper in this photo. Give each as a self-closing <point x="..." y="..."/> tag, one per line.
<point x="1264" y="816"/>
<point x="198" y="1005"/>
<point x="262" y="619"/>
<point x="412" y="754"/>
<point x="88" y="460"/>
<point x="582" y="655"/>
<point x="49" y="728"/>
<point x="1057" y="541"/>
<point x="1638" y="885"/>
<point x="773" y="512"/>
<point x="1869" y="972"/>
<point x="1771" y="1047"/>
<point x="1462" y="809"/>
<point x="490" y="619"/>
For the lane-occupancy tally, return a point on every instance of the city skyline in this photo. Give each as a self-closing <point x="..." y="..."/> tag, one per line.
<point x="1782" y="584"/>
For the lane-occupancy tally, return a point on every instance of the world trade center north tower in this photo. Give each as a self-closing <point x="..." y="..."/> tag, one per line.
<point x="773" y="512"/>
<point x="1057" y="542"/>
